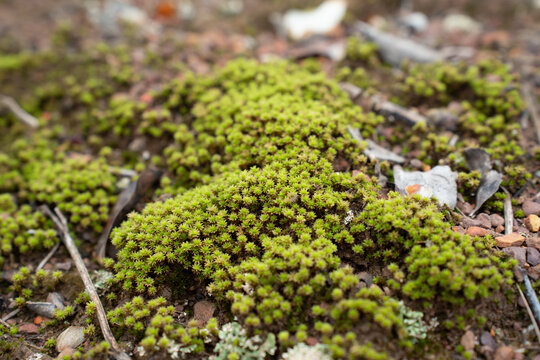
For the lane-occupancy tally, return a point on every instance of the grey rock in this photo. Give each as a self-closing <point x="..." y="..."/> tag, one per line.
<point x="72" y="337"/>
<point x="41" y="308"/>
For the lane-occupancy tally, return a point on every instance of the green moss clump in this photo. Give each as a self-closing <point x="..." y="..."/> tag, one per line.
<point x="248" y="113"/>
<point x="438" y="263"/>
<point x="212" y="228"/>
<point x="83" y="189"/>
<point x="490" y="98"/>
<point x="29" y="286"/>
<point x="23" y="230"/>
<point x="361" y="51"/>
<point x="153" y="325"/>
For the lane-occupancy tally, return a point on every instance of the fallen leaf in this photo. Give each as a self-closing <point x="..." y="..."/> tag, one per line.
<point x="489" y="184"/>
<point x="126" y="202"/>
<point x="477" y="159"/>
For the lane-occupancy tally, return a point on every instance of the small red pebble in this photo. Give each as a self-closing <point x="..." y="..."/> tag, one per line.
<point x="165" y="9"/>
<point x="146" y="98"/>
<point x="477" y="231"/>
<point x="38" y="320"/>
<point x="28" y="328"/>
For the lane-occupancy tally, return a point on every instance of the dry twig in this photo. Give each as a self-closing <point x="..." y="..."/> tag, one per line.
<point x="11" y="314"/>
<point x="508" y="213"/>
<point x="61" y="223"/>
<point x="18" y="111"/>
<point x="48" y="257"/>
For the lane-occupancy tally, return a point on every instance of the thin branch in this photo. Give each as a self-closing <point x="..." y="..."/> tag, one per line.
<point x="18" y="111"/>
<point x="508" y="213"/>
<point x="48" y="257"/>
<point x="532" y="299"/>
<point x="61" y="223"/>
<point x="531" y="316"/>
<point x="11" y="314"/>
<point x="5" y="323"/>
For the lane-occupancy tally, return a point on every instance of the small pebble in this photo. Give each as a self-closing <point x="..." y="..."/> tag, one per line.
<point x="66" y="352"/>
<point x="533" y="256"/>
<point x="496" y="220"/>
<point x="64" y="266"/>
<point x="487" y="340"/>
<point x="417" y="164"/>
<point x="72" y="337"/>
<point x="513" y="239"/>
<point x="458" y="229"/>
<point x="534" y="242"/>
<point x="203" y="311"/>
<point x="477" y="231"/>
<point x="485" y="220"/>
<point x="533" y="223"/>
<point x="38" y="320"/>
<point x="465" y="207"/>
<point x="28" y="328"/>
<point x="468" y="222"/>
<point x="534" y="272"/>
<point x="467" y="340"/>
<point x="499" y="229"/>
<point x="531" y="207"/>
<point x="504" y="353"/>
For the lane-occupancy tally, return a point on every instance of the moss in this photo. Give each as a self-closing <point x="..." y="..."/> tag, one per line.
<point x="23" y="230"/>
<point x="437" y="261"/>
<point x="248" y="113"/>
<point x="152" y="324"/>
<point x="38" y="170"/>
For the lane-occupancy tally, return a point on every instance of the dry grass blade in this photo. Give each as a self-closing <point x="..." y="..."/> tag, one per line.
<point x="61" y="223"/>
<point x="18" y="111"/>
